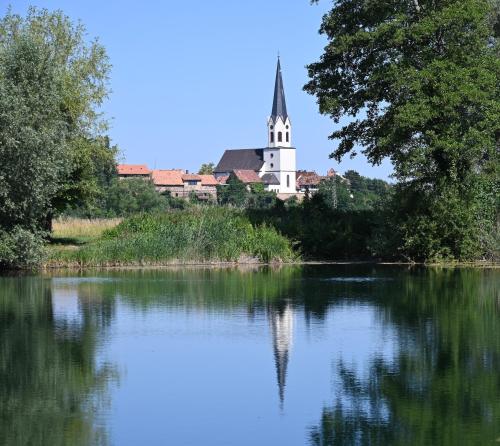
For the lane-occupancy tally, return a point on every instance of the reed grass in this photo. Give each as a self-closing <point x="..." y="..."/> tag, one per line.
<point x="199" y="235"/>
<point x="82" y="229"/>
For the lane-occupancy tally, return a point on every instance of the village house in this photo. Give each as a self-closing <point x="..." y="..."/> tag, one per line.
<point x="275" y="164"/>
<point x="309" y="181"/>
<point x="177" y="182"/>
<point x="183" y="185"/>
<point x="133" y="171"/>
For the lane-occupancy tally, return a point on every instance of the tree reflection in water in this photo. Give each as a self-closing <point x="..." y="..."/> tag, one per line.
<point x="439" y="386"/>
<point x="442" y="387"/>
<point x="49" y="381"/>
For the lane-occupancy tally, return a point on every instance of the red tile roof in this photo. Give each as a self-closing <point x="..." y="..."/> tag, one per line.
<point x="167" y="177"/>
<point x="191" y="177"/>
<point x="133" y="169"/>
<point x="305" y="178"/>
<point x="222" y="179"/>
<point x="247" y="176"/>
<point x="208" y="180"/>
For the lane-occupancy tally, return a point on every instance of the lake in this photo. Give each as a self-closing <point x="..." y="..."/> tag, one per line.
<point x="311" y="355"/>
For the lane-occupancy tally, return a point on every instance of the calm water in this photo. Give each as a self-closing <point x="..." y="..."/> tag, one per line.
<point x="321" y="355"/>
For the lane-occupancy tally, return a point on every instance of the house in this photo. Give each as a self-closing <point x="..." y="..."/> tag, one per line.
<point x="274" y="164"/>
<point x="181" y="184"/>
<point x="133" y="171"/>
<point x="308" y="181"/>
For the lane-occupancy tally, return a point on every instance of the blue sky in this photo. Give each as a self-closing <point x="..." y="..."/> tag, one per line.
<point x="193" y="78"/>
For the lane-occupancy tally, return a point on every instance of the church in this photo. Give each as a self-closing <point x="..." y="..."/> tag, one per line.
<point x="274" y="166"/>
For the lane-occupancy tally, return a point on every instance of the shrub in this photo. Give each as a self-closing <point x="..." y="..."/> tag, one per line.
<point x="20" y="248"/>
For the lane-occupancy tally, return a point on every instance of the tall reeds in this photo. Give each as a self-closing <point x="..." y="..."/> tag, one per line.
<point x="199" y="235"/>
<point x="81" y="228"/>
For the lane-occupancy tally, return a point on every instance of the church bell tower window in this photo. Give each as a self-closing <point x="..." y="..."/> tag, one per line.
<point x="287" y="137"/>
<point x="272" y="136"/>
<point x="280" y="137"/>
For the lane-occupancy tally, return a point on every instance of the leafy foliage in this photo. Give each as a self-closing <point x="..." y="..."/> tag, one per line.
<point x="52" y="150"/>
<point x="20" y="248"/>
<point x="132" y="196"/>
<point x="236" y="193"/>
<point x="421" y="80"/>
<point x="206" y="169"/>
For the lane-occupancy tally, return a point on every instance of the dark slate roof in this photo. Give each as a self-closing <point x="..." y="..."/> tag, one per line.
<point x="279" y="103"/>
<point x="245" y="159"/>
<point x="270" y="178"/>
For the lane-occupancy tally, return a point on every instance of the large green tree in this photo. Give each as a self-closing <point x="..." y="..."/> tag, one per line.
<point x="52" y="82"/>
<point x="420" y="80"/>
<point x="53" y="152"/>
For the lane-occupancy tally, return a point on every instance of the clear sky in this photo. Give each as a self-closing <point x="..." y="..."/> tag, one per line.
<point x="193" y="78"/>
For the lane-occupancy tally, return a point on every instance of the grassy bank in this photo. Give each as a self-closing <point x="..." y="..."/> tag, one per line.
<point x="80" y="230"/>
<point x="200" y="235"/>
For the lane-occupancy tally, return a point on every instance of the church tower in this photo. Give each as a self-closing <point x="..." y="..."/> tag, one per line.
<point x="279" y="125"/>
<point x="279" y="156"/>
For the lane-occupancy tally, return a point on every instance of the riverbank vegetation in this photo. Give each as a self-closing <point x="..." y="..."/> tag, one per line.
<point x="198" y="235"/>
<point x="80" y="230"/>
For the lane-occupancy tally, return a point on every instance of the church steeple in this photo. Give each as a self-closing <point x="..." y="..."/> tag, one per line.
<point x="279" y="126"/>
<point x="279" y="103"/>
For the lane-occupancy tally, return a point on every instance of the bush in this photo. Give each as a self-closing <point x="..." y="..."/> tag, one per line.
<point x="21" y="249"/>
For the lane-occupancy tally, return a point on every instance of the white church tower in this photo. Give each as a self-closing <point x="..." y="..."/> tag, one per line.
<point x="279" y="156"/>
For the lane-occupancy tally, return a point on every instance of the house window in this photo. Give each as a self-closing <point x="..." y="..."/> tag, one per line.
<point x="272" y="136"/>
<point x="192" y="182"/>
<point x="287" y="137"/>
<point x="280" y="137"/>
<point x="288" y="181"/>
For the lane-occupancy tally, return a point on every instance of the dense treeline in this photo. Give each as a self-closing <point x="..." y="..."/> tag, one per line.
<point x="422" y="81"/>
<point x="339" y="221"/>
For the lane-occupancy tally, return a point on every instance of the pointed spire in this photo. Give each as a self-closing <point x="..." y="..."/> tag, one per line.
<point x="279" y="103"/>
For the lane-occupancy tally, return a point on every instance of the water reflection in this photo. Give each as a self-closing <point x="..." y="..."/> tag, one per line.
<point x="49" y="381"/>
<point x="281" y="322"/>
<point x="415" y="356"/>
<point x="442" y="386"/>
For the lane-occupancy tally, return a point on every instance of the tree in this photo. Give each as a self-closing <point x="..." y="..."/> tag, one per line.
<point x="421" y="79"/>
<point x="93" y="173"/>
<point x="234" y="192"/>
<point x="52" y="148"/>
<point x="206" y="169"/>
<point x="131" y="196"/>
<point x="51" y="84"/>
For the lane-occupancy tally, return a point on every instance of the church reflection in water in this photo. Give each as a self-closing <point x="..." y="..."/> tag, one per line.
<point x="281" y="324"/>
